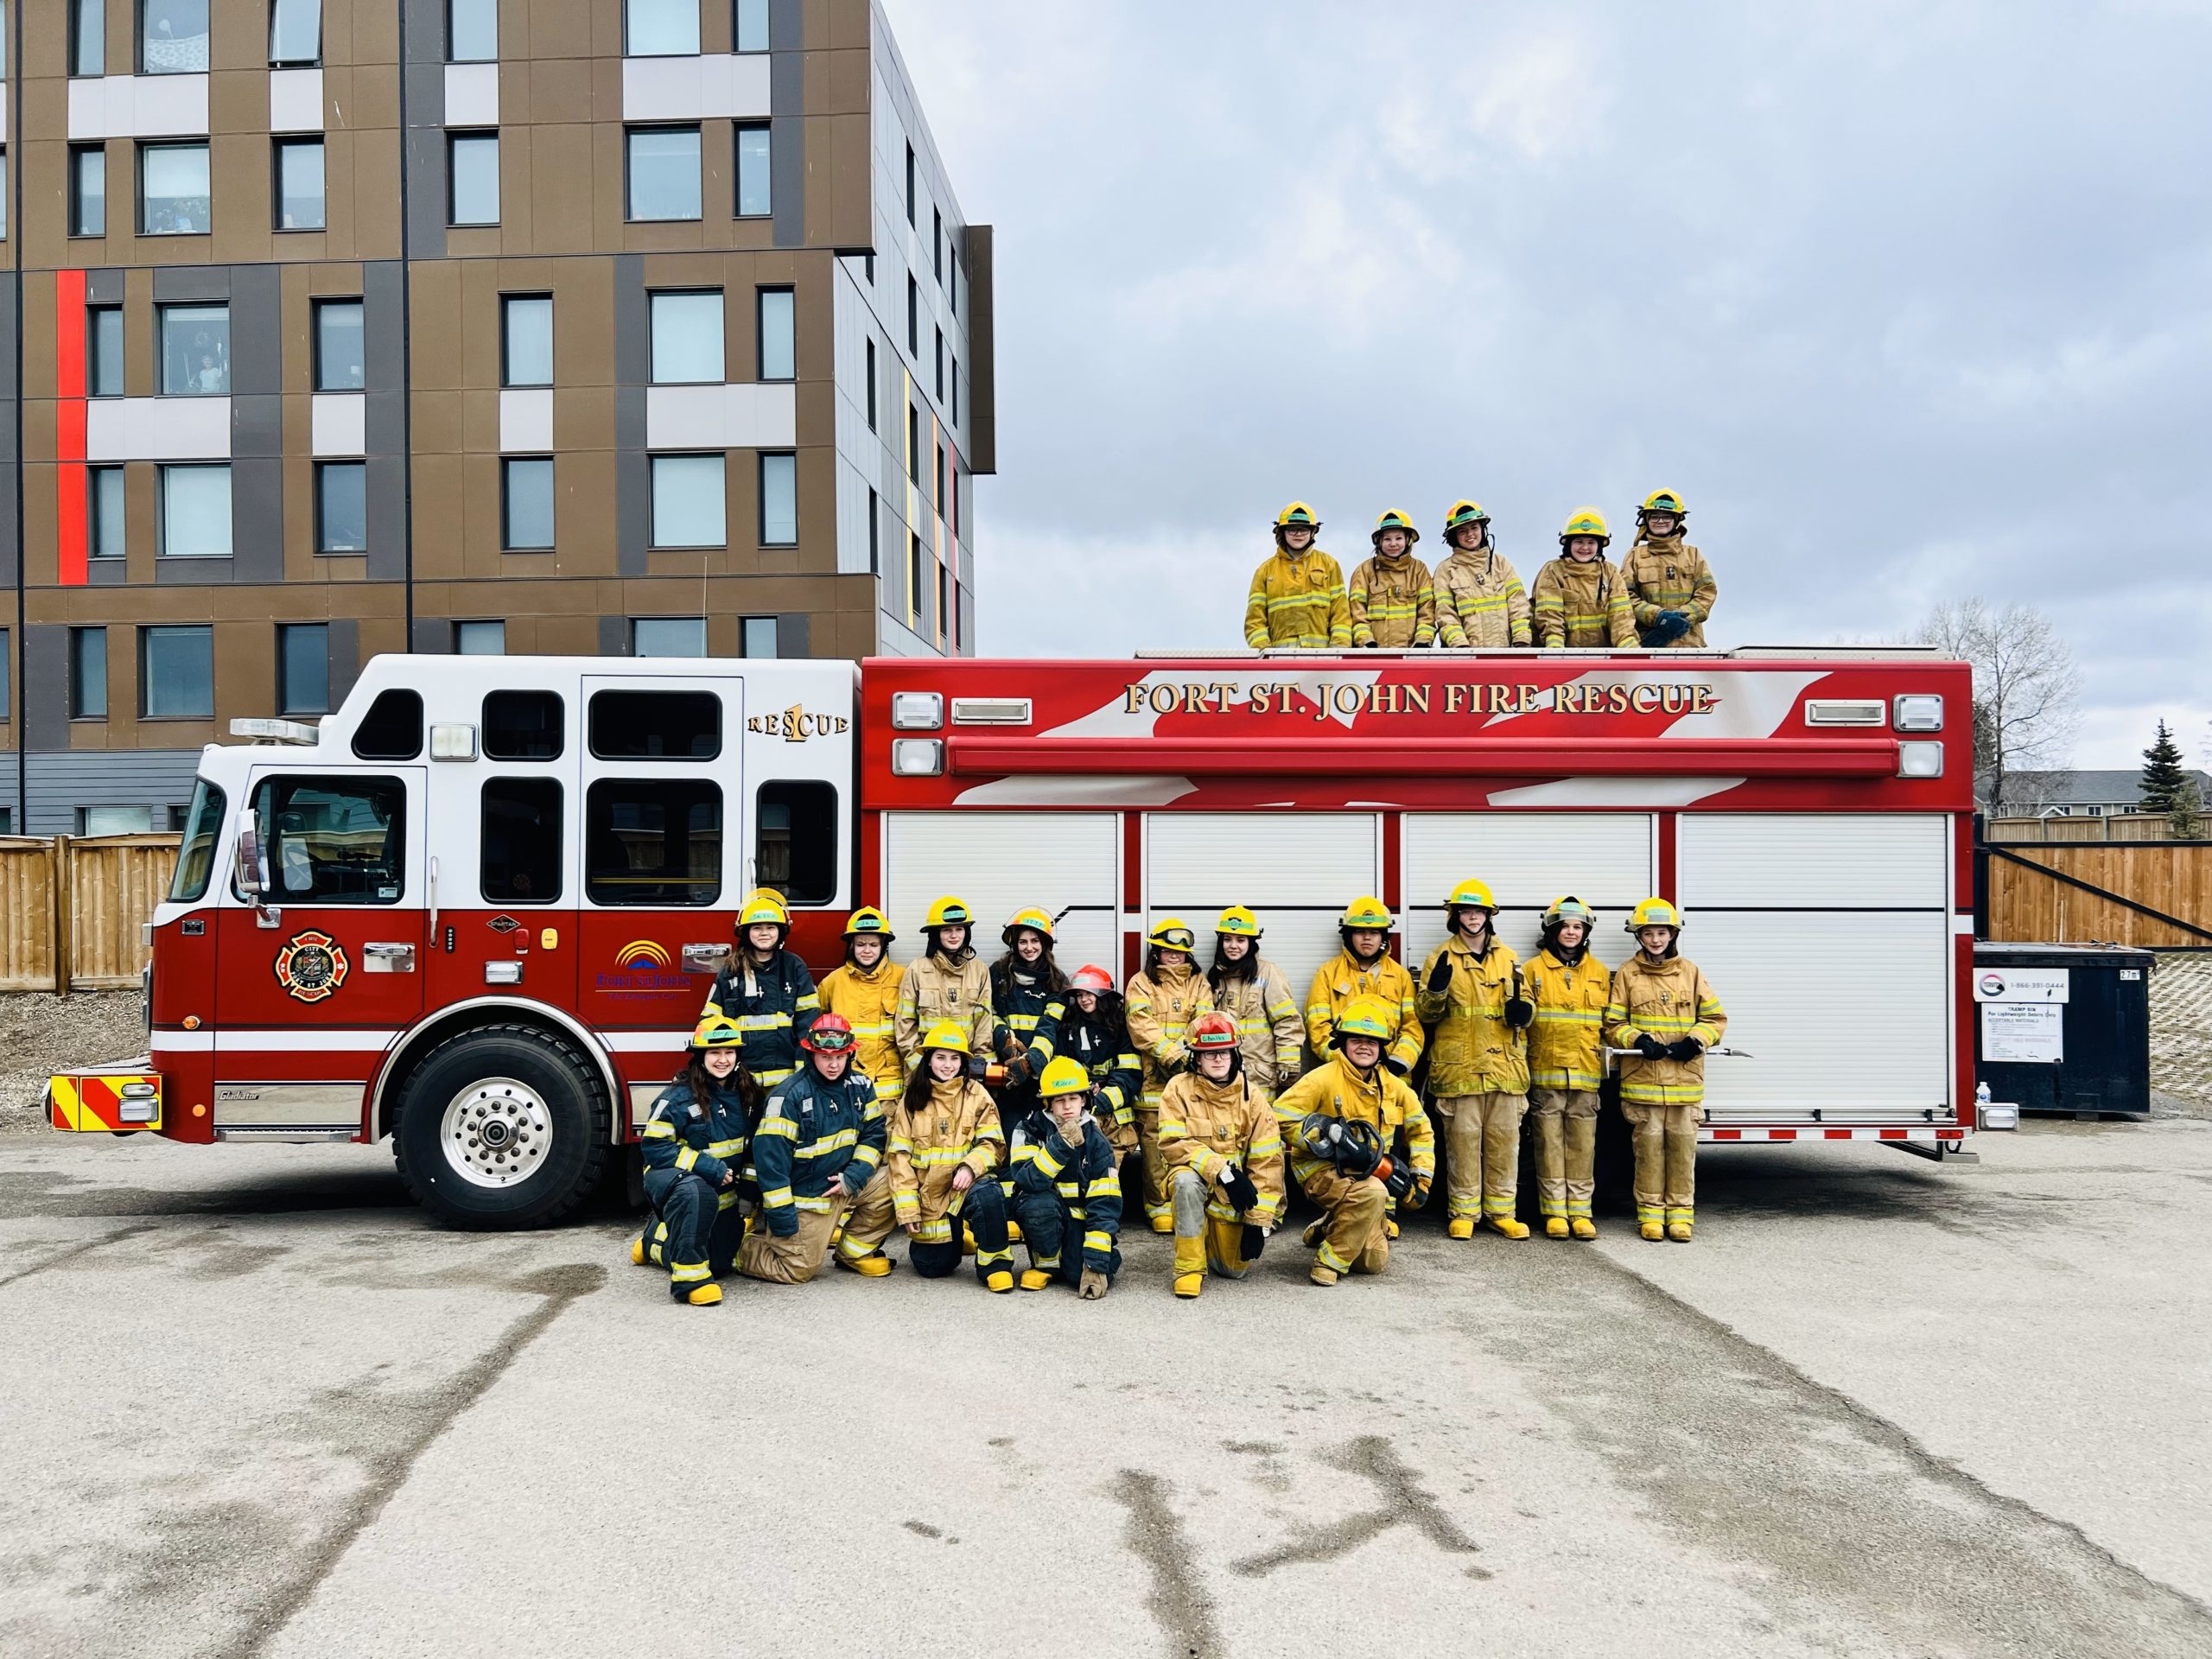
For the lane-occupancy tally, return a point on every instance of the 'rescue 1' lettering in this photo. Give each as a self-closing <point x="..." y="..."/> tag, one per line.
<point x="1326" y="699"/>
<point x="796" y="725"/>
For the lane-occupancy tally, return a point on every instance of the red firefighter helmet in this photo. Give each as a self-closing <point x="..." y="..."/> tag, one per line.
<point x="831" y="1033"/>
<point x="1090" y="978"/>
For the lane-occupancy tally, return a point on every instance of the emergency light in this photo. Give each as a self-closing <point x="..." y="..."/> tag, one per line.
<point x="917" y="711"/>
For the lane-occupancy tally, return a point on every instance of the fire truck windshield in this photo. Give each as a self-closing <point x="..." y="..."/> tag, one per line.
<point x="196" y="859"/>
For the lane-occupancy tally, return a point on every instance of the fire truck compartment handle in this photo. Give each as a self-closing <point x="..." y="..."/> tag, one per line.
<point x="434" y="898"/>
<point x="393" y="958"/>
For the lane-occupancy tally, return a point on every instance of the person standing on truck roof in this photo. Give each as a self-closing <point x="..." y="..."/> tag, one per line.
<point x="1392" y="598"/>
<point x="1670" y="586"/>
<point x="865" y="991"/>
<point x="1298" y="595"/>
<point x="1663" y="1006"/>
<point x="1471" y="992"/>
<point x="1095" y="1036"/>
<point x="767" y="990"/>
<point x="1224" y="1152"/>
<point x="693" y="1145"/>
<point x="1342" y="1122"/>
<point x="939" y="1174"/>
<point x="1067" y="1187"/>
<point x="1580" y="600"/>
<point x="1364" y="968"/>
<point x="1570" y="987"/>
<point x="1256" y="993"/>
<point x="819" y="1143"/>
<point x="948" y="981"/>
<point x="1161" y="1002"/>
<point x="1479" y="599"/>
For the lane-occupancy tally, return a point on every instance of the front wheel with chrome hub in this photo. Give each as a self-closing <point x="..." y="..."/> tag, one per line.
<point x="497" y="1132"/>
<point x="503" y="1127"/>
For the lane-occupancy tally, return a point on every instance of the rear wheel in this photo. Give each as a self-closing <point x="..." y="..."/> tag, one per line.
<point x="501" y="1127"/>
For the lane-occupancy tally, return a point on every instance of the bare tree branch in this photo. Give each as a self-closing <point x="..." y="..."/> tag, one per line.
<point x="2026" y="691"/>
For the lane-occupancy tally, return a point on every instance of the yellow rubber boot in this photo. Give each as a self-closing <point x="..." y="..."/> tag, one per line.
<point x="868" y="1267"/>
<point x="1505" y="1226"/>
<point x="967" y="1240"/>
<point x="1584" y="1227"/>
<point x="637" y="1251"/>
<point x="1654" y="1230"/>
<point x="1013" y="1230"/>
<point x="705" y="1295"/>
<point x="1321" y="1275"/>
<point x="1679" y="1231"/>
<point x="1163" y="1223"/>
<point x="1001" y="1280"/>
<point x="1035" y="1278"/>
<point x="1390" y="1227"/>
<point x="1554" y="1226"/>
<point x="1459" y="1227"/>
<point x="1190" y="1266"/>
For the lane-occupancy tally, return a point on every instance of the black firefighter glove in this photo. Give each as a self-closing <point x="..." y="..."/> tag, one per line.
<point x="1440" y="977"/>
<point x="1520" y="1013"/>
<point x="1398" y="1179"/>
<point x="1255" y="1241"/>
<point x="1239" y="1191"/>
<point x="1684" y="1048"/>
<point x="1396" y="1066"/>
<point x="1419" y="1196"/>
<point x="1668" y="626"/>
<point x="1650" y="1047"/>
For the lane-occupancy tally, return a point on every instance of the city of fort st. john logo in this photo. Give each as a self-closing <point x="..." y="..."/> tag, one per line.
<point x="311" y="966"/>
<point x="643" y="967"/>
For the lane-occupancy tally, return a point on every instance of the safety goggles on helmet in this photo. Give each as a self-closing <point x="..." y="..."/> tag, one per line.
<point x="718" y="1031"/>
<point x="831" y="1033"/>
<point x="1090" y="978"/>
<point x="1568" y="909"/>
<point x="1174" y="934"/>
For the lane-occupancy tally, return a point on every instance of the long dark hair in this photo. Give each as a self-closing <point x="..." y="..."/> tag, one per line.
<point x="1006" y="966"/>
<point x="1224" y="970"/>
<point x="916" y="1095"/>
<point x="703" y="1086"/>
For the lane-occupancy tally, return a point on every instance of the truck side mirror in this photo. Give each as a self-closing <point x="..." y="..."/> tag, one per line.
<point x="252" y="869"/>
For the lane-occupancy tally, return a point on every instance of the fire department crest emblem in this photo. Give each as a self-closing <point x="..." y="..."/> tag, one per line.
<point x="311" y="966"/>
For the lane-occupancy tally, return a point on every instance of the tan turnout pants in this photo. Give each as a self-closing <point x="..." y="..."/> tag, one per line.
<point x="791" y="1260"/>
<point x="1224" y="1240"/>
<point x="1482" y="1139"/>
<point x="1566" y="1150"/>
<point x="1357" y="1240"/>
<point x="1666" y="1161"/>
<point x="1156" y="1200"/>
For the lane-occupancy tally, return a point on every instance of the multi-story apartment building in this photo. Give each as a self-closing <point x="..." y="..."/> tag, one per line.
<point x="341" y="327"/>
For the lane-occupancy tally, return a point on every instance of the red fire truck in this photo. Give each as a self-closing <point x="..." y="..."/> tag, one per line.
<point x="476" y="908"/>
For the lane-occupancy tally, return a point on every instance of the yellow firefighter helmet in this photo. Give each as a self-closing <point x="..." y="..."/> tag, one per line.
<point x="1394" y="520"/>
<point x="1471" y="895"/>
<point x="1367" y="912"/>
<point x="765" y="906"/>
<point x="870" y="921"/>
<point x="1586" y="521"/>
<point x="1568" y="908"/>
<point x="718" y="1031"/>
<point x="1368" y="1016"/>
<point x="1297" y="516"/>
<point x="1239" y="921"/>
<point x="1662" y="501"/>
<point x="946" y="1034"/>
<point x="1654" y="913"/>
<point x="1032" y="918"/>
<point x="1061" y="1076"/>
<point x="1170" y="933"/>
<point x="949" y="912"/>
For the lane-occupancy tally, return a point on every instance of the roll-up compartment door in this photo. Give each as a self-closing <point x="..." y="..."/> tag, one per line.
<point x="1605" y="858"/>
<point x="1297" y="871"/>
<point x="1827" y="939"/>
<point x="1000" y="862"/>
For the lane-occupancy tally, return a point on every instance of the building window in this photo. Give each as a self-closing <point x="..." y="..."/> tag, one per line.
<point x="103" y="511"/>
<point x="689" y="502"/>
<point x="871" y="383"/>
<point x="3" y="184"/>
<point x="668" y="636"/>
<point x="778" y="344"/>
<point x="88" y="673"/>
<point x="173" y="197"/>
<point x="941" y="607"/>
<point x="482" y="640"/>
<point x="913" y="442"/>
<point x="88" y="190"/>
<point x="526" y="503"/>
<point x="756" y="636"/>
<point x="341" y="506"/>
<point x="755" y="198"/>
<point x="526" y="339"/>
<point x="473" y="162"/>
<point x="913" y="319"/>
<point x="752" y="25"/>
<point x="940" y="366"/>
<point x="875" y="535"/>
<point x="910" y="184"/>
<point x="937" y="246"/>
<point x="303" y="668"/>
<point x="519" y="841"/>
<point x="195" y="509"/>
<point x="337" y="341"/>
<point x="104" y="370"/>
<point x="6" y="681"/>
<point x="88" y="37"/>
<point x="471" y="31"/>
<point x="195" y="350"/>
<point x="115" y="820"/>
<point x="295" y="32"/>
<point x="176" y="673"/>
<point x="664" y="170"/>
<point x="959" y="619"/>
<point x="914" y="579"/>
<point x="938" y="500"/>
<point x="172" y="37"/>
<point x="686" y="338"/>
<point x="952" y="390"/>
<point x="299" y="184"/>
<point x="660" y="28"/>
<point x="778" y="501"/>
<point x="652" y="840"/>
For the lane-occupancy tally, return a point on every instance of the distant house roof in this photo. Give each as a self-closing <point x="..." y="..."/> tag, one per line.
<point x="2094" y="787"/>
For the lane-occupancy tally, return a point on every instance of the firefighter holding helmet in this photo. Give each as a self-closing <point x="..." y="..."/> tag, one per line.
<point x="1392" y="598"/>
<point x="1342" y="1122"/>
<point x="1364" y="971"/>
<point x="693" y="1145"/>
<point x="1298" y="595"/>
<point x="1671" y="590"/>
<point x="865" y="989"/>
<point x="1161" y="1002"/>
<point x="819" y="1143"/>
<point x="948" y="981"/>
<point x="1479" y="598"/>
<point x="1566" y="1062"/>
<point x="1471" y="994"/>
<point x="767" y="990"/>
<point x="1254" y="993"/>
<point x="1224" y="1152"/>
<point x="1579" y="598"/>
<point x="1663" y="1006"/>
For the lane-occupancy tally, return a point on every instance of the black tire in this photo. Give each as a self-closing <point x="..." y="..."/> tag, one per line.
<point x="578" y="1118"/>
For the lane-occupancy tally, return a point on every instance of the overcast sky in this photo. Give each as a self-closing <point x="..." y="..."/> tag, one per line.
<point x="1911" y="301"/>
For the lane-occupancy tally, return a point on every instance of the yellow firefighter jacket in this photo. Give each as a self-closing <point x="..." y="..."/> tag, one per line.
<point x="1336" y="1090"/>
<point x="1204" y="1125"/>
<point x="1669" y="575"/>
<point x="1474" y="1051"/>
<point x="956" y="1126"/>
<point x="1392" y="603"/>
<point x="1298" y="602"/>
<point x="1158" y="1007"/>
<point x="1668" y="1000"/>
<point x="1564" y="1044"/>
<point x="1480" y="600"/>
<point x="1341" y="981"/>
<point x="933" y="989"/>
<point x="1582" y="605"/>
<point x="1269" y="1034"/>
<point x="869" y="1001"/>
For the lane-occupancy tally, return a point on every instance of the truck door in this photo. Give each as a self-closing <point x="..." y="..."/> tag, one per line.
<point x="1297" y="870"/>
<point x="1001" y="862"/>
<point x="321" y="977"/>
<point x="1607" y="860"/>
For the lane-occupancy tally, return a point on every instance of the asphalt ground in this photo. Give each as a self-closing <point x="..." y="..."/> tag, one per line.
<point x="253" y="1403"/>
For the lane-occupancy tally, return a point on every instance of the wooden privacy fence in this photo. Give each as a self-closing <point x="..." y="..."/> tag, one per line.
<point x="2157" y="894"/>
<point x="2129" y="826"/>
<point x="74" y="909"/>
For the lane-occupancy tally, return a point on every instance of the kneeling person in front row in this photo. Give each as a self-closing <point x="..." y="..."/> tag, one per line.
<point x="1224" y="1152"/>
<point x="1369" y="1106"/>
<point x="1663" y="1008"/>
<point x="819" y="1144"/>
<point x="694" y="1145"/>
<point x="940" y="1171"/>
<point x="1067" y="1187"/>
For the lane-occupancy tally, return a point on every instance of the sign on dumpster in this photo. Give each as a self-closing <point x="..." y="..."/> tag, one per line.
<point x="2031" y="1032"/>
<point x="2020" y="984"/>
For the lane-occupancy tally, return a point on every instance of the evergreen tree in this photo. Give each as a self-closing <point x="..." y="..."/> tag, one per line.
<point x="2163" y="775"/>
<point x="2185" y="818"/>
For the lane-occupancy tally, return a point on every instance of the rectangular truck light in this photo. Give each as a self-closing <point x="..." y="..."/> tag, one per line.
<point x="917" y="711"/>
<point x="1920" y="760"/>
<point x="1918" y="713"/>
<point x="917" y="757"/>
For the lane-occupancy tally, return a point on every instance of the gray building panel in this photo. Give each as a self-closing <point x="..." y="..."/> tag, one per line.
<point x="614" y="636"/>
<point x="257" y="328"/>
<point x="425" y="161"/>
<point x="182" y="283"/>
<point x="792" y="631"/>
<point x="633" y="505"/>
<point x="383" y="423"/>
<point x="256" y="427"/>
<point x="383" y="321"/>
<point x="199" y="573"/>
<point x="786" y="167"/>
<point x="387" y="488"/>
<point x="258" y="517"/>
<point x="61" y="783"/>
<point x="104" y="286"/>
<point x="433" y="636"/>
<point x="43" y="720"/>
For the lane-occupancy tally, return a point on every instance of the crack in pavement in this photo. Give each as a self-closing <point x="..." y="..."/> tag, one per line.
<point x="73" y="1251"/>
<point x="1178" y="1602"/>
<point x="1405" y="1504"/>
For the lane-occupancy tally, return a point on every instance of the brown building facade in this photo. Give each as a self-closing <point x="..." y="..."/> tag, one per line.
<point x="614" y="327"/>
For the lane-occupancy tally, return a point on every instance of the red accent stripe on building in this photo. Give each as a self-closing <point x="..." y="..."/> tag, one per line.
<point x="71" y="549"/>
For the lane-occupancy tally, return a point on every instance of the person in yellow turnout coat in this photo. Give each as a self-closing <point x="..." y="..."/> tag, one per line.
<point x="865" y="991"/>
<point x="1671" y="590"/>
<point x="1160" y="1004"/>
<point x="1566" y="1062"/>
<point x="1579" y="598"/>
<point x="1298" y="595"/>
<point x="1365" y="969"/>
<point x="1663" y="1006"/>
<point x="1392" y="598"/>
<point x="1470" y="993"/>
<point x="1224" y="1152"/>
<point x="1479" y="598"/>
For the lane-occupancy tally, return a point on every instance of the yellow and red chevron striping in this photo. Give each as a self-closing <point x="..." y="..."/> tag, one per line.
<point x="91" y="1102"/>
